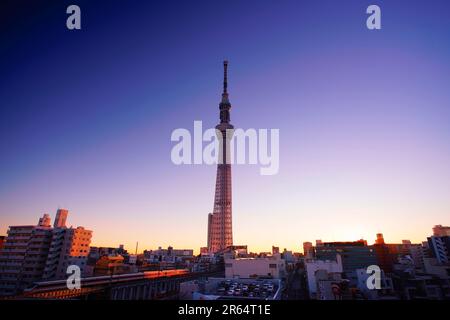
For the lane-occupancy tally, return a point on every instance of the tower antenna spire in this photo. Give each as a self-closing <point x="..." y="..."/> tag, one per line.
<point x="225" y="76"/>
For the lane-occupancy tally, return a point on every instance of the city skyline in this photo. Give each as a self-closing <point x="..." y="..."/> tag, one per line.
<point x="86" y="121"/>
<point x="58" y="220"/>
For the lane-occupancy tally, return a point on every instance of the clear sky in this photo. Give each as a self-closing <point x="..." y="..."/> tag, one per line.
<point x="86" y="118"/>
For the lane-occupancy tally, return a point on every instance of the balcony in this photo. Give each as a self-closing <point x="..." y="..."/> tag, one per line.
<point x="14" y="250"/>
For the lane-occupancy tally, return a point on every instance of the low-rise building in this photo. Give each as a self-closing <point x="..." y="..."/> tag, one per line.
<point x="168" y="255"/>
<point x="313" y="266"/>
<point x="328" y="285"/>
<point x="354" y="255"/>
<point x="269" y="267"/>
<point x="113" y="265"/>
<point x="441" y="231"/>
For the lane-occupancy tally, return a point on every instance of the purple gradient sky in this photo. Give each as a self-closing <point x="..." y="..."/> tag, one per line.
<point x="86" y="118"/>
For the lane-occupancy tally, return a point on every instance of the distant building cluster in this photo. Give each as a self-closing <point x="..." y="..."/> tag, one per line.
<point x="339" y="270"/>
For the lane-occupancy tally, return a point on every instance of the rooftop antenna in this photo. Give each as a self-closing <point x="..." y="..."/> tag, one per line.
<point x="137" y="244"/>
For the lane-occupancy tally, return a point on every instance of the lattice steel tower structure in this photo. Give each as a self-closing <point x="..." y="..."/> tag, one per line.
<point x="220" y="231"/>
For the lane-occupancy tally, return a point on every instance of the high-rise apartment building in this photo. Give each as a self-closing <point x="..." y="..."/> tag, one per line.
<point x="69" y="246"/>
<point x="23" y="258"/>
<point x="39" y="252"/>
<point x="220" y="233"/>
